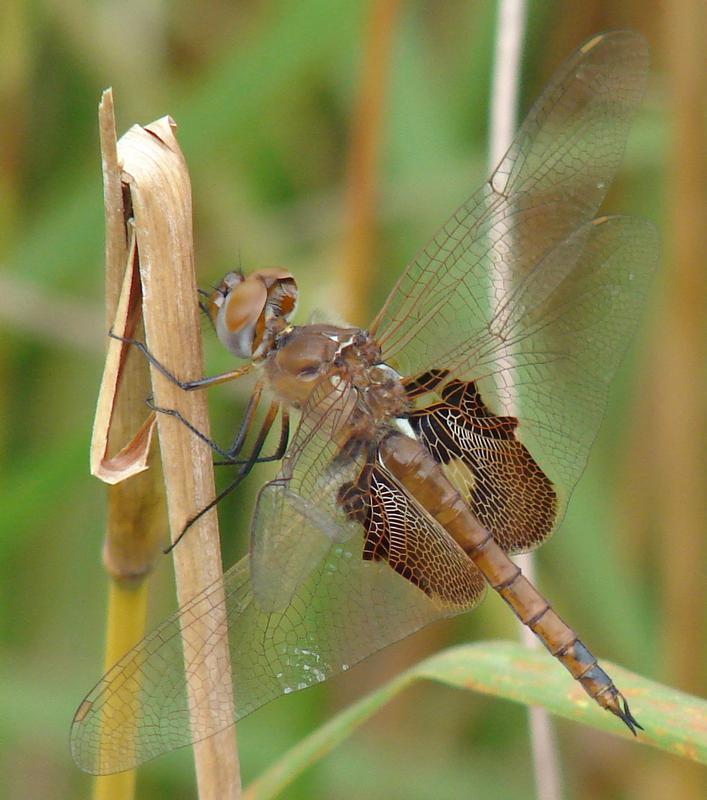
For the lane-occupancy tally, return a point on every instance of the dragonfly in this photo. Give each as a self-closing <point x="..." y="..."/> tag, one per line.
<point x="430" y="447"/>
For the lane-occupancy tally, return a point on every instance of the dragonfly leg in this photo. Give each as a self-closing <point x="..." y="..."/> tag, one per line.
<point x="231" y="454"/>
<point x="172" y="412"/>
<point x="244" y="470"/>
<point x="187" y="386"/>
<point x="279" y="451"/>
<point x="237" y="444"/>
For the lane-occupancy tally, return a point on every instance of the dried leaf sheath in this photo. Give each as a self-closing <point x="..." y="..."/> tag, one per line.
<point x="160" y="202"/>
<point x="135" y="522"/>
<point x="155" y="171"/>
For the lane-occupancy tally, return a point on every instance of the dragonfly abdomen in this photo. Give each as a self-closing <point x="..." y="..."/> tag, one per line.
<point x="560" y="639"/>
<point x="416" y="469"/>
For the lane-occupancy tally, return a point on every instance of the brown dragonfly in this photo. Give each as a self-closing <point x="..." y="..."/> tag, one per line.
<point x="430" y="447"/>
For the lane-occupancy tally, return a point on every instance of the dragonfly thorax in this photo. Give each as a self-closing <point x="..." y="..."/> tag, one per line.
<point x="305" y="356"/>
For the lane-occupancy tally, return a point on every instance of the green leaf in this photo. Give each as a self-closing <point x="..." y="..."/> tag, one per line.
<point x="673" y="721"/>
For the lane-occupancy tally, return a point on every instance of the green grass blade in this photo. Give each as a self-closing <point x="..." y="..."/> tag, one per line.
<point x="673" y="721"/>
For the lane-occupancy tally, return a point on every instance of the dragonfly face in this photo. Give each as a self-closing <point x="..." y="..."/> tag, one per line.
<point x="430" y="447"/>
<point x="249" y="312"/>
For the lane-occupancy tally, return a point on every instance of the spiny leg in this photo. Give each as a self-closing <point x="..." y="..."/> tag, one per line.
<point x="187" y="386"/>
<point x="232" y="452"/>
<point x="236" y="446"/>
<point x="242" y="472"/>
<point x="231" y="455"/>
<point x="245" y="426"/>
<point x="280" y="450"/>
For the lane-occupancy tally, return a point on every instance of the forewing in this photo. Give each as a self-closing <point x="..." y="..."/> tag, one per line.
<point x="552" y="179"/>
<point x="520" y="296"/>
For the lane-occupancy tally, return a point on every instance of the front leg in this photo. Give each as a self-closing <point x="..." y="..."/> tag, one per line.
<point x="187" y="386"/>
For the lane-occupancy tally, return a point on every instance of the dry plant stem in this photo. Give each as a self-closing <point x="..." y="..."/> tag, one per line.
<point x="683" y="457"/>
<point x="680" y="456"/>
<point x="154" y="169"/>
<point x="355" y="277"/>
<point x="510" y="26"/>
<point x="135" y="512"/>
<point x="125" y="626"/>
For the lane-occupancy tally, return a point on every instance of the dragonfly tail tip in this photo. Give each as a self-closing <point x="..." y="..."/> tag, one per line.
<point x="627" y="717"/>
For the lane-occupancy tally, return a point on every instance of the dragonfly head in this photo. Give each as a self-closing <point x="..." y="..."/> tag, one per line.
<point x="250" y="311"/>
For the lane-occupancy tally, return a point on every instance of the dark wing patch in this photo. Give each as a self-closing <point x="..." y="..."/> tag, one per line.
<point x="508" y="492"/>
<point x="401" y="534"/>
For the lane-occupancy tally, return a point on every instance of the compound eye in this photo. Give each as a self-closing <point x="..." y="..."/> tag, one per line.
<point x="239" y="314"/>
<point x="249" y="312"/>
<point x="243" y="305"/>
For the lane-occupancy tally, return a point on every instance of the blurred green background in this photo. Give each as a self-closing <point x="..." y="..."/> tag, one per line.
<point x="264" y="93"/>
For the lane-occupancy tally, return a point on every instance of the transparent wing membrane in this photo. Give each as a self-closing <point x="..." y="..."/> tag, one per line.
<point x="335" y="609"/>
<point x="544" y="361"/>
<point x="560" y="164"/>
<point x="523" y="295"/>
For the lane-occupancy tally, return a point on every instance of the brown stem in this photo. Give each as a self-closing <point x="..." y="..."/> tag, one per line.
<point x="356" y="275"/>
<point x="154" y="169"/>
